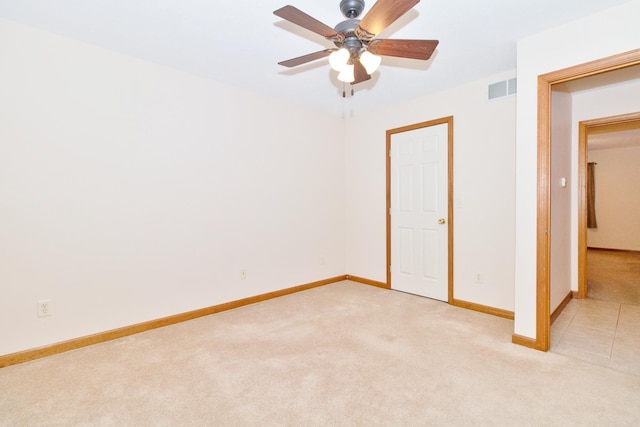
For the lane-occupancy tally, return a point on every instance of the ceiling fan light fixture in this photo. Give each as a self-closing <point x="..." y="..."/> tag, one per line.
<point x="347" y="75"/>
<point x="357" y="52"/>
<point x="370" y="61"/>
<point x="338" y="59"/>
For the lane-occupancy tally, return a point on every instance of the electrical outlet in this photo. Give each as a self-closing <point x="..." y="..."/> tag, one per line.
<point x="44" y="308"/>
<point x="478" y="278"/>
<point x="243" y="274"/>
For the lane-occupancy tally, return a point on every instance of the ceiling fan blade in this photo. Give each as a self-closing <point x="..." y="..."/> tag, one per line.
<point x="381" y="15"/>
<point x="359" y="72"/>
<point x="300" y="18"/>
<point x="414" y="49"/>
<point x="306" y="58"/>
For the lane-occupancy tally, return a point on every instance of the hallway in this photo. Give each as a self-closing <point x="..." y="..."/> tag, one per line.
<point x="604" y="329"/>
<point x="614" y="276"/>
<point x="601" y="332"/>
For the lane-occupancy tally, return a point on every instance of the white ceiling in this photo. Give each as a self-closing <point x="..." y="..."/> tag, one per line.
<point x="239" y="43"/>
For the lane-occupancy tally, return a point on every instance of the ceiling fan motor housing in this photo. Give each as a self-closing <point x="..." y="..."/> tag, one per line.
<point x="351" y="8"/>
<point x="349" y="41"/>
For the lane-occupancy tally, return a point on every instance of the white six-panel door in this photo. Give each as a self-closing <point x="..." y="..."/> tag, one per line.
<point x="419" y="209"/>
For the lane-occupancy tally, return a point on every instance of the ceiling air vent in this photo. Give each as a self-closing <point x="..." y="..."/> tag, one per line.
<point x="503" y="88"/>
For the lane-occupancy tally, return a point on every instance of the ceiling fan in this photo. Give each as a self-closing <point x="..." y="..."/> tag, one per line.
<point x="356" y="55"/>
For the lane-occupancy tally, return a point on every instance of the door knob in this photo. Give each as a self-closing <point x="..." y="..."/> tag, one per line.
<point x="441" y="221"/>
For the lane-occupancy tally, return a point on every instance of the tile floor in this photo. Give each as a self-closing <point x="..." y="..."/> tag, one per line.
<point x="600" y="332"/>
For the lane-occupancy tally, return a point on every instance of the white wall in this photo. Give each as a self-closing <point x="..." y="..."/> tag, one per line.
<point x="484" y="144"/>
<point x="617" y="199"/>
<point x="135" y="189"/>
<point x="607" y="33"/>
<point x="130" y="191"/>
<point x="560" y="197"/>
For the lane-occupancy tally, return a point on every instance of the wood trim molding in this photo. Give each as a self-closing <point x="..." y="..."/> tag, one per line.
<point x="37" y="353"/>
<point x="484" y="309"/>
<point x="582" y="210"/>
<point x="449" y="121"/>
<point x="543" y="234"/>
<point x="620" y="123"/>
<point x="524" y="341"/>
<point x="561" y="307"/>
<point x="368" y="282"/>
<point x="629" y="251"/>
<point x="450" y="208"/>
<point x="585" y="128"/>
<point x="591" y="68"/>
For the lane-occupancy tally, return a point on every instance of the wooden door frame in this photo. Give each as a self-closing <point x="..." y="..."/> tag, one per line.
<point x="444" y="120"/>
<point x="585" y="128"/>
<point x="543" y="227"/>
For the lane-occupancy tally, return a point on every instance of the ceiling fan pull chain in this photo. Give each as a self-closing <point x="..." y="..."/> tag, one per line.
<point x="344" y="93"/>
<point x="351" y="90"/>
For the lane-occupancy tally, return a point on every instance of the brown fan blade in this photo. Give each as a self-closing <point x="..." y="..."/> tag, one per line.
<point x="300" y="18"/>
<point x="414" y="49"/>
<point x="359" y="72"/>
<point x="381" y="15"/>
<point x="306" y="58"/>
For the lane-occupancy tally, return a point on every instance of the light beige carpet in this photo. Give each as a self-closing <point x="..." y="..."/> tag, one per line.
<point x="340" y="355"/>
<point x="614" y="276"/>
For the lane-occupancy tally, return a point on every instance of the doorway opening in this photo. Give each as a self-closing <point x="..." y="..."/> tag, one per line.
<point x="543" y="233"/>
<point x="597" y="326"/>
<point x="620" y="123"/>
